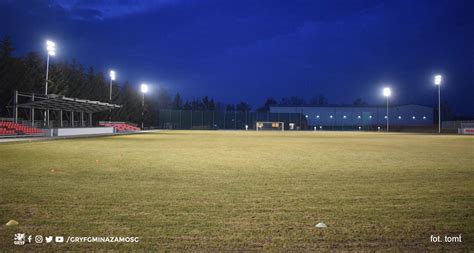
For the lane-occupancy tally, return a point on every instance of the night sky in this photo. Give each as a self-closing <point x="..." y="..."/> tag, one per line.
<point x="250" y="50"/>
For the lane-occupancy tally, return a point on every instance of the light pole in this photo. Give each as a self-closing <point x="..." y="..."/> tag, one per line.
<point x="437" y="82"/>
<point x="144" y="89"/>
<point x="51" y="47"/>
<point x="112" y="78"/>
<point x="387" y="92"/>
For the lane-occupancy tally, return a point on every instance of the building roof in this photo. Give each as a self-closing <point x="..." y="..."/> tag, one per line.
<point x="58" y="102"/>
<point x="349" y="106"/>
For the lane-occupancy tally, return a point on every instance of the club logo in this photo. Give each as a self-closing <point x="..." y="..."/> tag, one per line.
<point x="19" y="239"/>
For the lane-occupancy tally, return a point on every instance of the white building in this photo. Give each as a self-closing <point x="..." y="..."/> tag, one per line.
<point x="355" y="116"/>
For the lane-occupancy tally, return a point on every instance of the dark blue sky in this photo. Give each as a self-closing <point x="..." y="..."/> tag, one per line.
<point x="249" y="50"/>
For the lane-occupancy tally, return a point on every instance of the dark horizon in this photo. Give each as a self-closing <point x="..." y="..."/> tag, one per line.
<point x="248" y="51"/>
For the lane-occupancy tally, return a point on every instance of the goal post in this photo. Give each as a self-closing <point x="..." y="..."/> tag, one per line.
<point x="270" y="125"/>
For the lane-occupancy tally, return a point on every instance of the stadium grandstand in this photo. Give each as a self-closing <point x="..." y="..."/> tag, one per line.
<point x="56" y="115"/>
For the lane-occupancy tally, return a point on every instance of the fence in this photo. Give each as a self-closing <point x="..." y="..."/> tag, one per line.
<point x="187" y="119"/>
<point x="454" y="125"/>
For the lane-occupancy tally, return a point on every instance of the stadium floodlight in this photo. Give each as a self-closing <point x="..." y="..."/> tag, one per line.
<point x="387" y="92"/>
<point x="112" y="78"/>
<point x="438" y="79"/>
<point x="51" y="48"/>
<point x="112" y="75"/>
<point x="437" y="82"/>
<point x="143" y="89"/>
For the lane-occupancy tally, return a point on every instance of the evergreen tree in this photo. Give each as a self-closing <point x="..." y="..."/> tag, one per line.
<point x="177" y="102"/>
<point x="268" y="103"/>
<point x="6" y="48"/>
<point x="243" y="107"/>
<point x="319" y="100"/>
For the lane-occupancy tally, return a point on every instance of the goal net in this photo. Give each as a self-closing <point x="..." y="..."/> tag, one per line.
<point x="270" y="125"/>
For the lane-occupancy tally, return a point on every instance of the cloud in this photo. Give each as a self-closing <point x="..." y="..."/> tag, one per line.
<point x="105" y="9"/>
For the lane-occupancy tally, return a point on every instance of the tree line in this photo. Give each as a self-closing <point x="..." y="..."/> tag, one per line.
<point x="70" y="78"/>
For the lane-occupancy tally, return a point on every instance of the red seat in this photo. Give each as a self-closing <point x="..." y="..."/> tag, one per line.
<point x="121" y="127"/>
<point x="12" y="128"/>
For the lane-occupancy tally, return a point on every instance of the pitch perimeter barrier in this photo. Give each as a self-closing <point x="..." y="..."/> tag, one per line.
<point x="201" y="120"/>
<point x="205" y="120"/>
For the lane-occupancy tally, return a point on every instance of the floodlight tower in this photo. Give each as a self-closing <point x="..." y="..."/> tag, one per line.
<point x="387" y="92"/>
<point x="143" y="89"/>
<point x="51" y="48"/>
<point x="112" y="78"/>
<point x="437" y="82"/>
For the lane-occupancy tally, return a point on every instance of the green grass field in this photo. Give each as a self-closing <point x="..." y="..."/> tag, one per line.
<point x="223" y="190"/>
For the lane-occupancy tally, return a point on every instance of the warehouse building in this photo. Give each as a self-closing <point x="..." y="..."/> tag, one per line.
<point x="362" y="117"/>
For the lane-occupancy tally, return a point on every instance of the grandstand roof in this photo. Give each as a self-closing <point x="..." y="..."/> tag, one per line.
<point x="57" y="102"/>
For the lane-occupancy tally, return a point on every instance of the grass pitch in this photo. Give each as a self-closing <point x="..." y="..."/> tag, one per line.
<point x="203" y="190"/>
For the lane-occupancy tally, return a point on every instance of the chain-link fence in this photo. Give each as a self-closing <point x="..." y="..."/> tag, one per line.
<point x="187" y="119"/>
<point x="454" y="125"/>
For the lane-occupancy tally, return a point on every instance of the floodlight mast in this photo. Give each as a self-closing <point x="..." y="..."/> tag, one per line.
<point x="143" y="89"/>
<point x="437" y="81"/>
<point x="387" y="92"/>
<point x="51" y="48"/>
<point x="112" y="78"/>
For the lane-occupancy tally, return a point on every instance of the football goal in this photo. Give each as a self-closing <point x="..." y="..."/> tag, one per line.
<point x="270" y="125"/>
